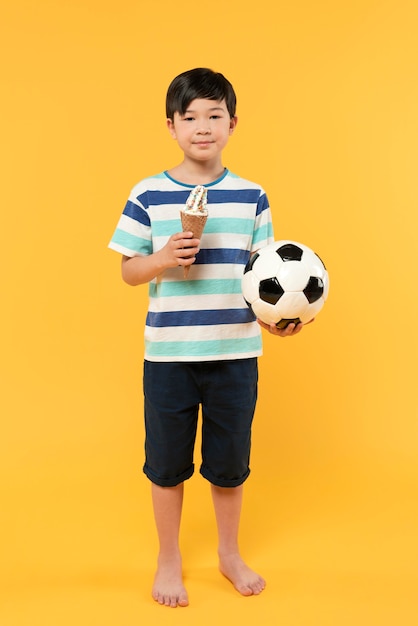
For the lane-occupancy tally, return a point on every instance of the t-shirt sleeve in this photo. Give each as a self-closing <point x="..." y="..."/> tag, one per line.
<point x="263" y="227"/>
<point x="132" y="236"/>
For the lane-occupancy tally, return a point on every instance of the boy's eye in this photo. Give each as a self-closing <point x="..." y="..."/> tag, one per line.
<point x="188" y="119"/>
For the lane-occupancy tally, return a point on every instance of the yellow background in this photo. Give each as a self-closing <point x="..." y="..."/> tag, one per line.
<point x="327" y="105"/>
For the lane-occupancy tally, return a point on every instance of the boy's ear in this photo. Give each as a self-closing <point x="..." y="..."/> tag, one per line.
<point x="232" y="124"/>
<point x="170" y="126"/>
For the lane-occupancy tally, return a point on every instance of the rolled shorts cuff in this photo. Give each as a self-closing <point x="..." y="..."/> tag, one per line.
<point x="168" y="482"/>
<point x="223" y="482"/>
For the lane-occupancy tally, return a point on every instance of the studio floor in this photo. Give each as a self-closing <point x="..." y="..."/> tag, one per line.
<point x="352" y="560"/>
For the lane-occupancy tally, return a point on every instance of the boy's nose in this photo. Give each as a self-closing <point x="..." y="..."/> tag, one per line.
<point x="204" y="131"/>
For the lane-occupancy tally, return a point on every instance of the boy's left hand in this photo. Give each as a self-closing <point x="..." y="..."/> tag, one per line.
<point x="289" y="331"/>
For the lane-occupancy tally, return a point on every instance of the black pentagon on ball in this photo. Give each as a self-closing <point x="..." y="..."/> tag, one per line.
<point x="290" y="252"/>
<point x="314" y="289"/>
<point x="284" y="322"/>
<point x="251" y="262"/>
<point x="270" y="290"/>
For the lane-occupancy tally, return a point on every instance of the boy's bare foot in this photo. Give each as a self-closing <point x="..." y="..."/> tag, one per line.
<point x="168" y="589"/>
<point x="244" y="579"/>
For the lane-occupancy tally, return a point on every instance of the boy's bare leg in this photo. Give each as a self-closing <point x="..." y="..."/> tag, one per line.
<point x="168" y="586"/>
<point x="228" y="503"/>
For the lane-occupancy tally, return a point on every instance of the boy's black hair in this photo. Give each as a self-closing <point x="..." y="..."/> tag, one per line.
<point x="200" y="82"/>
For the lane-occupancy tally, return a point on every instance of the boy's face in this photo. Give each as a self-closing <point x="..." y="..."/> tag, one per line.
<point x="204" y="129"/>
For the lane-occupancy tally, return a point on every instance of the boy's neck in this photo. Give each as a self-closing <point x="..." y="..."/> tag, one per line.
<point x="196" y="173"/>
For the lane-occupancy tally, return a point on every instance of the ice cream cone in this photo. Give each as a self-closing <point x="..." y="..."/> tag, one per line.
<point x="194" y="215"/>
<point x="194" y="223"/>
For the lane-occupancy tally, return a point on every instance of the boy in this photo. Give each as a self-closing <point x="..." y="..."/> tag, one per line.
<point x="201" y="339"/>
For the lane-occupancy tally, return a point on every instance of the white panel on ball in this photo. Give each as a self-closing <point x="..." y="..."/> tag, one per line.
<point x="293" y="275"/>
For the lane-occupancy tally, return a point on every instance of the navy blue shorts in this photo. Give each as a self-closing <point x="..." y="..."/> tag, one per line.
<point x="173" y="392"/>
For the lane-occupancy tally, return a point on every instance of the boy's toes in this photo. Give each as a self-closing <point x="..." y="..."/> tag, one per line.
<point x="258" y="587"/>
<point x="183" y="600"/>
<point x="244" y="590"/>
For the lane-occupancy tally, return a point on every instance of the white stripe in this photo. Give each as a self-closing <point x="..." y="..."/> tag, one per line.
<point x="227" y="356"/>
<point x="211" y="240"/>
<point x="194" y="333"/>
<point x="121" y="249"/>
<point x="131" y="226"/>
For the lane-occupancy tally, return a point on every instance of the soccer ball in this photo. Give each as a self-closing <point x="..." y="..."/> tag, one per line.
<point x="285" y="282"/>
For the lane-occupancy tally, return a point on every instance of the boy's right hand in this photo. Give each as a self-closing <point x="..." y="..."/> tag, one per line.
<point x="180" y="249"/>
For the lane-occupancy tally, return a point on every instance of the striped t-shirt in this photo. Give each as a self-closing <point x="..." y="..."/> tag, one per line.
<point x="203" y="317"/>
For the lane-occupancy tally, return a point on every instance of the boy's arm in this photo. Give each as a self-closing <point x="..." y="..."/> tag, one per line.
<point x="180" y="249"/>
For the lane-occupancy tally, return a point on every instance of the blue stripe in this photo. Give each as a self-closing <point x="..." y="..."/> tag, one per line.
<point x="243" y="196"/>
<point x="262" y="204"/>
<point x="200" y="318"/>
<point x="216" y="196"/>
<point x="216" y="286"/>
<point x="222" y="255"/>
<point x="137" y="213"/>
<point x="164" y="197"/>
<point x="199" y="348"/>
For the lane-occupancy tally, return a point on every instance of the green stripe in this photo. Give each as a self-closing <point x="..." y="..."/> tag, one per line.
<point x="216" y="286"/>
<point x="202" y="348"/>
<point x="263" y="233"/>
<point x="229" y="225"/>
<point x="166" y="228"/>
<point x="131" y="242"/>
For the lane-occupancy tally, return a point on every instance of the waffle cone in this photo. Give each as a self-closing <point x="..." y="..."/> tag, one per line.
<point x="195" y="224"/>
